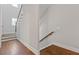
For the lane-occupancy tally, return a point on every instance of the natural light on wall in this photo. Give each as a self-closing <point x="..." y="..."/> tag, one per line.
<point x="15" y="5"/>
<point x="14" y="20"/>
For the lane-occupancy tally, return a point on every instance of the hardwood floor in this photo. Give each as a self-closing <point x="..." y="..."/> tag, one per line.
<point x="55" y="50"/>
<point x="14" y="47"/>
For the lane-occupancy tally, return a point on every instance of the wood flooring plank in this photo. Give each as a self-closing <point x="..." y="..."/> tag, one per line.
<point x="14" y="47"/>
<point x="56" y="50"/>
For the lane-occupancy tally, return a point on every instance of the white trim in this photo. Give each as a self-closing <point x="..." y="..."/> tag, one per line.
<point x="72" y="48"/>
<point x="35" y="51"/>
<point x="8" y="39"/>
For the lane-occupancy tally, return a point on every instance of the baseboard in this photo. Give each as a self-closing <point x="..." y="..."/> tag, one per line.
<point x="9" y="35"/>
<point x="36" y="52"/>
<point x="8" y="39"/>
<point x="72" y="48"/>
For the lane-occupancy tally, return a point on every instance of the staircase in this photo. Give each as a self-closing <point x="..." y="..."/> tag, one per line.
<point x="6" y="37"/>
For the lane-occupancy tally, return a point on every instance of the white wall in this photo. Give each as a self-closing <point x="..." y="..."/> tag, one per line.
<point x="9" y="12"/>
<point x="64" y="21"/>
<point x="43" y="25"/>
<point x="0" y="23"/>
<point x="67" y="20"/>
<point x="43" y="20"/>
<point x="28" y="27"/>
